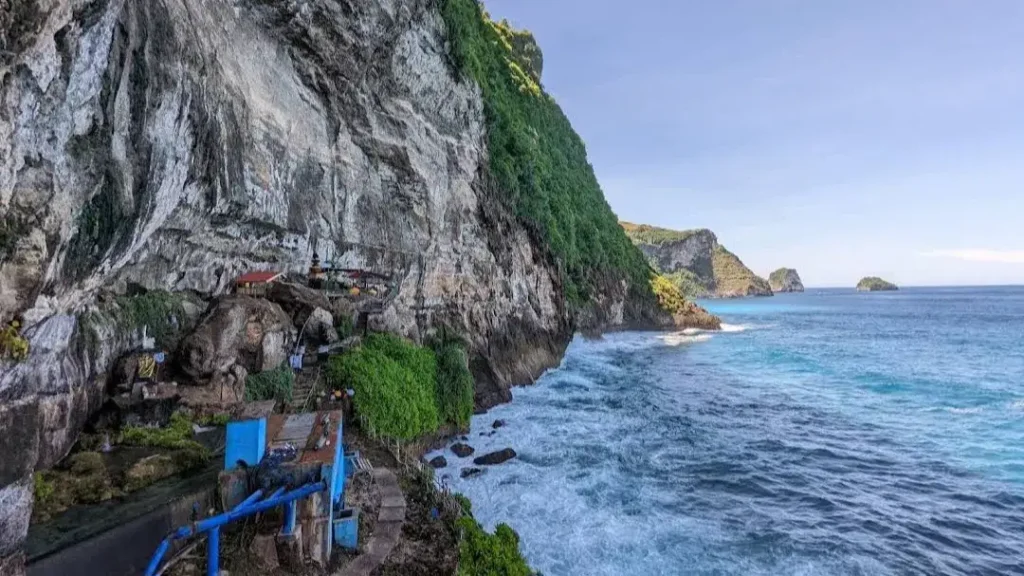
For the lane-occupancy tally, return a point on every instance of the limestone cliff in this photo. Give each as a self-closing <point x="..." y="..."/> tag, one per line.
<point x="696" y="262"/>
<point x="785" y="280"/>
<point x="174" y="144"/>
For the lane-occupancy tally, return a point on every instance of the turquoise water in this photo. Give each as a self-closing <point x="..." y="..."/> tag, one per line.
<point x="828" y="432"/>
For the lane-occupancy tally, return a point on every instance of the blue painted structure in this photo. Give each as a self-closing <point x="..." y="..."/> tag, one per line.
<point x="248" y="507"/>
<point x="246" y="442"/>
<point x="277" y="451"/>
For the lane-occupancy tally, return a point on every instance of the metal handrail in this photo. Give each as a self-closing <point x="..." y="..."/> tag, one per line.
<point x="248" y="507"/>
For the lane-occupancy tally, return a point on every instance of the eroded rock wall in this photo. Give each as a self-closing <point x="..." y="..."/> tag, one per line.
<point x="178" y="143"/>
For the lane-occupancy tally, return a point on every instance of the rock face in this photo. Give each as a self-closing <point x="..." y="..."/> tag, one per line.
<point x="696" y="262"/>
<point x="176" y="144"/>
<point x="785" y="280"/>
<point x="875" y="284"/>
<point x="251" y="332"/>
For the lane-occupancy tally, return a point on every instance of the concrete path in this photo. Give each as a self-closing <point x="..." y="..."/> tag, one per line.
<point x="389" y="526"/>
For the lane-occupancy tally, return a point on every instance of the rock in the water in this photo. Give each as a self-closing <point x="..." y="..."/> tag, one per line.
<point x="438" y="462"/>
<point x="252" y="332"/>
<point x="494" y="458"/>
<point x="875" y="284"/>
<point x="470" y="472"/>
<point x="462" y="450"/>
<point x="785" y="280"/>
<point x="498" y="424"/>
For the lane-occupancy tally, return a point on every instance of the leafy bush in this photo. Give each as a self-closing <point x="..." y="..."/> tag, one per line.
<point x="454" y="385"/>
<point x="539" y="163"/>
<point x="483" y="554"/>
<point x="42" y="489"/>
<point x="276" y="384"/>
<point x="177" y="435"/>
<point x="394" y="383"/>
<point x="13" y="345"/>
<point x="669" y="297"/>
<point x="160" y="312"/>
<point x="343" y="326"/>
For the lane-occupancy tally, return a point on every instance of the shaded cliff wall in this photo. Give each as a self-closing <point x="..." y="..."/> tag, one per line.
<point x="178" y="143"/>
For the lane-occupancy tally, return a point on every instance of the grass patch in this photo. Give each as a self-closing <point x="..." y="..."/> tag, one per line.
<point x="395" y="386"/>
<point x="646" y="234"/>
<point x="495" y="554"/>
<point x="276" y="384"/>
<point x="176" y="436"/>
<point x="454" y="385"/>
<point x="538" y="161"/>
<point x="403" y="391"/>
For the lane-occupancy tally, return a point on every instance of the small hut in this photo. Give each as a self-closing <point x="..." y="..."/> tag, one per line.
<point x="255" y="283"/>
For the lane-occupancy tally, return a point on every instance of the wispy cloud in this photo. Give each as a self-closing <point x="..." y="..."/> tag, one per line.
<point x="973" y="255"/>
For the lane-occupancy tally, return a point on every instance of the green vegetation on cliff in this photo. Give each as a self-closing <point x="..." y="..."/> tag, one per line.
<point x="646" y="234"/>
<point x="733" y="278"/>
<point x="874" y="284"/>
<point x="538" y="162"/>
<point x="403" y="391"/>
<point x="276" y="384"/>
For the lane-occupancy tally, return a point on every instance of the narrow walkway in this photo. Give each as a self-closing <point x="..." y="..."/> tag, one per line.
<point x="389" y="526"/>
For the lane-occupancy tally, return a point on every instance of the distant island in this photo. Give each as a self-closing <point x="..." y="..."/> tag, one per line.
<point x="785" y="280"/>
<point x="874" y="284"/>
<point x="696" y="263"/>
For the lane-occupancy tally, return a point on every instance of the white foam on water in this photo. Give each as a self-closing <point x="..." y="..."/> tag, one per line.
<point x="679" y="338"/>
<point x="733" y="327"/>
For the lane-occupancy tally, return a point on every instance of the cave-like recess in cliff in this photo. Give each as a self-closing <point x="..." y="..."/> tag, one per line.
<point x="539" y="163"/>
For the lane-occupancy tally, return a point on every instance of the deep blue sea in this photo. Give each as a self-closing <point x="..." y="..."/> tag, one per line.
<point x="821" y="433"/>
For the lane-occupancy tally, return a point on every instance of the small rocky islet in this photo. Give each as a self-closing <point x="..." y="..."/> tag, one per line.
<point x="875" y="284"/>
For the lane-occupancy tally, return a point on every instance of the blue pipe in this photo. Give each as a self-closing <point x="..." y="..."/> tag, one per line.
<point x="289" y="519"/>
<point x="213" y="553"/>
<point x="154" y="562"/>
<point x="214" y="522"/>
<point x="252" y="498"/>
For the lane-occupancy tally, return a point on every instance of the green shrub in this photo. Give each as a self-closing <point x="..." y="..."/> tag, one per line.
<point x="276" y="384"/>
<point x="221" y="419"/>
<point x="467" y="505"/>
<point x="539" y="163"/>
<point x="483" y="554"/>
<point x="343" y="326"/>
<point x="177" y="435"/>
<point x="42" y="489"/>
<point x="454" y="386"/>
<point x="160" y="312"/>
<point x="395" y="386"/>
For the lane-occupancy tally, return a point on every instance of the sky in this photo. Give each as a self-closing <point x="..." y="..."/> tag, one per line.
<point x="843" y="138"/>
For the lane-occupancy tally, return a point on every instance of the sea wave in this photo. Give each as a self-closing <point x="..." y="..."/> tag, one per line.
<point x="733" y="327"/>
<point x="679" y="338"/>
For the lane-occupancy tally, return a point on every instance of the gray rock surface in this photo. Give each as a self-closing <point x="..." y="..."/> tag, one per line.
<point x="176" y="144"/>
<point x="785" y="280"/>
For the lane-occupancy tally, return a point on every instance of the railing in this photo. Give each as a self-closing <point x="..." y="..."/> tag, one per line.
<point x="248" y="507"/>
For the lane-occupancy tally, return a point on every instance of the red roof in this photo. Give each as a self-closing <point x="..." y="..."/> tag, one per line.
<point x="257" y="277"/>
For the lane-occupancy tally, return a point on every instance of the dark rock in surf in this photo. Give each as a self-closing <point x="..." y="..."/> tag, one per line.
<point x="494" y="458"/>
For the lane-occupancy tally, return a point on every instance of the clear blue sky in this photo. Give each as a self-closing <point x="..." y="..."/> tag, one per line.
<point x="843" y="137"/>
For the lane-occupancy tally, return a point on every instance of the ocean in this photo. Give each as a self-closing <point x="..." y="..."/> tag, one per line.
<point x="823" y="433"/>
